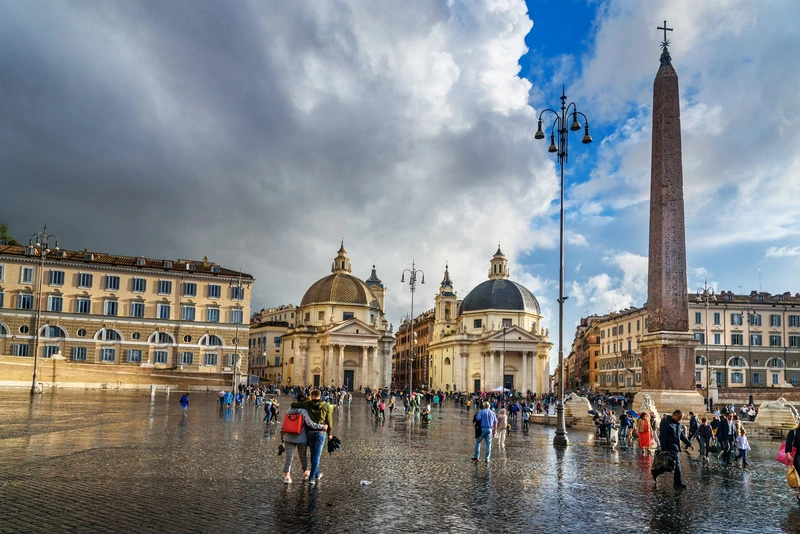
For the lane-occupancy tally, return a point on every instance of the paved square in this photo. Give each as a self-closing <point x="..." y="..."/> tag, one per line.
<point x="123" y="462"/>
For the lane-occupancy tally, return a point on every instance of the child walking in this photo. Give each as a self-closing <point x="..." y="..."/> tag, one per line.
<point x="743" y="445"/>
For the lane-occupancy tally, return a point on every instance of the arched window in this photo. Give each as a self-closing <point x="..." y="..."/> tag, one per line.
<point x="775" y="363"/>
<point x="638" y="363"/>
<point x="620" y="365"/>
<point x="736" y="362"/>
<point x="3" y="330"/>
<point x="161" y="338"/>
<point x="107" y="334"/>
<point x="700" y="360"/>
<point x="211" y="340"/>
<point x="447" y="361"/>
<point x="53" y="332"/>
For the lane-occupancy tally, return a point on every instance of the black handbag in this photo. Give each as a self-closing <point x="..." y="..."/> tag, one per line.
<point x="663" y="463"/>
<point x="714" y="447"/>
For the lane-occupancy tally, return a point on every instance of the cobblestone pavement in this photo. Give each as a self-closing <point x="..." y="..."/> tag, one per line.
<point x="121" y="462"/>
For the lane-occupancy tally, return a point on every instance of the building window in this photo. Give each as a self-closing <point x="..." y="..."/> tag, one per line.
<point x="716" y="318"/>
<point x="755" y="319"/>
<point x="794" y="341"/>
<point x="25" y="301"/>
<point x="137" y="309"/>
<point x="737" y="339"/>
<point x="163" y="338"/>
<point x="321" y="316"/>
<point x="237" y="293"/>
<point x="82" y="332"/>
<point x="212" y="315"/>
<point x="108" y="354"/>
<point x="757" y="378"/>
<point x="717" y="339"/>
<point x="775" y="363"/>
<point x="755" y="339"/>
<point x="346" y="316"/>
<point x="477" y="323"/>
<point x="134" y="356"/>
<point x="737" y="378"/>
<point x="774" y="341"/>
<point x="231" y="360"/>
<point x="187" y="339"/>
<point x="794" y="320"/>
<point x="187" y="358"/>
<point x="2" y="272"/>
<point x="719" y="376"/>
<point x="2" y="298"/>
<point x="506" y="323"/>
<point x="236" y="316"/>
<point x="54" y="303"/>
<point x="214" y="291"/>
<point x="79" y="353"/>
<point x="26" y="275"/>
<point x="164" y="287"/>
<point x="110" y="307"/>
<point x="775" y="379"/>
<point x="54" y="332"/>
<point x="774" y="320"/>
<point x="85" y="280"/>
<point x="698" y="317"/>
<point x="160" y="356"/>
<point x="21" y="349"/>
<point x="277" y="341"/>
<point x="736" y="319"/>
<point x="795" y="379"/>
<point x="163" y="311"/>
<point x="56" y="278"/>
<point x="701" y="337"/>
<point x="698" y="376"/>
<point x="50" y="350"/>
<point x="108" y="334"/>
<point x="139" y="285"/>
<point x="112" y="282"/>
<point x="189" y="289"/>
<point x="210" y="358"/>
<point x="737" y="362"/>
<point x="187" y="313"/>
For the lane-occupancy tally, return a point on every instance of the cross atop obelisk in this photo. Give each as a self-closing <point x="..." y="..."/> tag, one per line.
<point x="665" y="58"/>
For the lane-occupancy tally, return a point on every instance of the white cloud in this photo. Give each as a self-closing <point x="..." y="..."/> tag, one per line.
<point x="781" y="252"/>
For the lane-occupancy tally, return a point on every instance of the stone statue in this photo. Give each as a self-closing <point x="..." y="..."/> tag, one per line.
<point x="648" y="406"/>
<point x="492" y="326"/>
<point x="777" y="414"/>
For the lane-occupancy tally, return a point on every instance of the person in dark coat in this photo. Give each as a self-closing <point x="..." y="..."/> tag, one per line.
<point x="726" y="433"/>
<point x="694" y="426"/>
<point x="671" y="434"/>
<point x="793" y="443"/>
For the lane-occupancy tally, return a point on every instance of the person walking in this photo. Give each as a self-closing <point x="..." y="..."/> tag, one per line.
<point x="645" y="432"/>
<point x="743" y="445"/>
<point x="671" y="434"/>
<point x="793" y="451"/>
<point x="726" y="434"/>
<point x="488" y="423"/>
<point x="298" y="442"/>
<point x="694" y="425"/>
<point x="185" y="402"/>
<point x="322" y="413"/>
<point x="704" y="435"/>
<point x="502" y="427"/>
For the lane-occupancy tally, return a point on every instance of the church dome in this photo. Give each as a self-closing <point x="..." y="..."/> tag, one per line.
<point x="341" y="287"/>
<point x="500" y="294"/>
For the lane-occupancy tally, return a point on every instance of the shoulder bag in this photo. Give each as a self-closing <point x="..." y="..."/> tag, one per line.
<point x="292" y="423"/>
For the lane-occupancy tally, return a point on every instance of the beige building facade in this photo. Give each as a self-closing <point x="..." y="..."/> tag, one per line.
<point x="341" y="336"/>
<point x="265" y="359"/>
<point x="747" y="341"/>
<point x="99" y="310"/>
<point x="492" y="338"/>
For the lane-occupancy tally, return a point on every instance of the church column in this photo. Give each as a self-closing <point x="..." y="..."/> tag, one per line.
<point x="525" y="372"/>
<point x="305" y="349"/>
<point x="341" y="365"/>
<point x="387" y="364"/>
<point x="491" y="371"/>
<point x="362" y="369"/>
<point x="503" y="368"/>
<point x="331" y="374"/>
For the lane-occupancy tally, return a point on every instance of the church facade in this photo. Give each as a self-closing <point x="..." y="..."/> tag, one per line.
<point x="492" y="338"/>
<point x="341" y="336"/>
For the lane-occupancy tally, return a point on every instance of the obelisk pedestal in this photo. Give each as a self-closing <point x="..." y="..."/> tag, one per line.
<point x="668" y="349"/>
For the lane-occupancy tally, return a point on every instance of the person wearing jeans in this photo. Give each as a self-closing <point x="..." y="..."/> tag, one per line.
<point x="488" y="422"/>
<point x="322" y="413"/>
<point x="704" y="435"/>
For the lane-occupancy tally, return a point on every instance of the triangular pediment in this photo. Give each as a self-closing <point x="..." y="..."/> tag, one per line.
<point x="354" y="327"/>
<point x="513" y="333"/>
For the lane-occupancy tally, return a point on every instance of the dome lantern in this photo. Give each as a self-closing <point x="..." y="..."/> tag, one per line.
<point x="499" y="266"/>
<point x="341" y="264"/>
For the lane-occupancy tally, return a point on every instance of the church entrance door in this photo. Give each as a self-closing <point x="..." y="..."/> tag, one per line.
<point x="316" y="381"/>
<point x="477" y="385"/>
<point x="508" y="382"/>
<point x="349" y="378"/>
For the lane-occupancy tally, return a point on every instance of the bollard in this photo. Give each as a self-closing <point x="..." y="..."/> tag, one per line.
<point x="152" y="390"/>
<point x="167" y="390"/>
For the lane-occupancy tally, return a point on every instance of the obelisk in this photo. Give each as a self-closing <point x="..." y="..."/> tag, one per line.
<point x="668" y="349"/>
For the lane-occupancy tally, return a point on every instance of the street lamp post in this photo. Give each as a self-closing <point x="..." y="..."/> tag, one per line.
<point x="240" y="296"/>
<point x="412" y="284"/>
<point x="706" y="294"/>
<point x="749" y="356"/>
<point x="559" y="126"/>
<point x="40" y="242"/>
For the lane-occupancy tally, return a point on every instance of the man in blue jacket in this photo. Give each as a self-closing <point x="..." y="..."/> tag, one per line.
<point x="671" y="434"/>
<point x="488" y="423"/>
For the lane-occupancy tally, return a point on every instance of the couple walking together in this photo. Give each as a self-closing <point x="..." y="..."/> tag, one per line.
<point x="318" y="426"/>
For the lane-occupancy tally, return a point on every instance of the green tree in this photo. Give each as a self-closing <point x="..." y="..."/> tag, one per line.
<point x="5" y="236"/>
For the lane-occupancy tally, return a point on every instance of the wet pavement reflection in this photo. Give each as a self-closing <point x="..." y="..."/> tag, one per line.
<point x="119" y="461"/>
